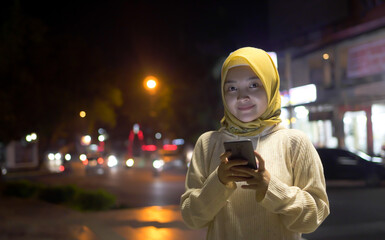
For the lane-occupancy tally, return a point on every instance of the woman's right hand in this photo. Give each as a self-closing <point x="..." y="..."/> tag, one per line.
<point x="227" y="170"/>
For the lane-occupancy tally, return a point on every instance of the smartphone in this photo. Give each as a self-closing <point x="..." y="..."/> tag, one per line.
<point x="242" y="149"/>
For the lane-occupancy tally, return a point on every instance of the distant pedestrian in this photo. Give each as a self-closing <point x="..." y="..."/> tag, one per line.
<point x="286" y="196"/>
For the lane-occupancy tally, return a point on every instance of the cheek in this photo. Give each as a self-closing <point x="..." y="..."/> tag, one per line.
<point x="263" y="104"/>
<point x="230" y="102"/>
<point x="260" y="97"/>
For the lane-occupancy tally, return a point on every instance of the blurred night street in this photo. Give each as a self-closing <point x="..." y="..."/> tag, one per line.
<point x="102" y="103"/>
<point x="154" y="201"/>
<point x="134" y="188"/>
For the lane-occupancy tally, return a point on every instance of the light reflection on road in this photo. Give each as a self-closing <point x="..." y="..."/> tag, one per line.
<point x="152" y="223"/>
<point x="158" y="214"/>
<point x="84" y="233"/>
<point x="153" y="233"/>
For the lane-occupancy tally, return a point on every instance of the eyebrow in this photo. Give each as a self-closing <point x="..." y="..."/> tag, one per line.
<point x="249" y="79"/>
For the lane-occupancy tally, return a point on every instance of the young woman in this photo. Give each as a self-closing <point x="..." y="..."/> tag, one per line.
<point x="286" y="196"/>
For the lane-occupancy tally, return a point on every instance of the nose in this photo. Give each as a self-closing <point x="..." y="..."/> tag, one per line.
<point x="243" y="95"/>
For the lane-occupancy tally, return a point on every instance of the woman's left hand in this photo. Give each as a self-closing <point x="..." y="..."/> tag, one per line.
<point x="260" y="178"/>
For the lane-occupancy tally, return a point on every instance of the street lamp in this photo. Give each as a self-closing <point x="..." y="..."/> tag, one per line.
<point x="82" y="114"/>
<point x="150" y="84"/>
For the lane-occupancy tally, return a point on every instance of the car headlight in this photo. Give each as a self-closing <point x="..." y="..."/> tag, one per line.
<point x="51" y="156"/>
<point x="112" y="161"/>
<point x="130" y="162"/>
<point x="158" y="163"/>
<point x="82" y="157"/>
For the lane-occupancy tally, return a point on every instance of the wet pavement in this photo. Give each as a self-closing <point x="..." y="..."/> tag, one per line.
<point x="33" y="219"/>
<point x="30" y="219"/>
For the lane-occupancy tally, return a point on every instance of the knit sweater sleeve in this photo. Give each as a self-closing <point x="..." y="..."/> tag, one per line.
<point x="303" y="206"/>
<point x="205" y="195"/>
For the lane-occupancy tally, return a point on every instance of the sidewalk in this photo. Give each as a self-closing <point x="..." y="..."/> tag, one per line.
<point x="30" y="219"/>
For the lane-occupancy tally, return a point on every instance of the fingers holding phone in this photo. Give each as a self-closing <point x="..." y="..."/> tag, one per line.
<point x="231" y="171"/>
<point x="259" y="180"/>
<point x="242" y="149"/>
<point x="260" y="162"/>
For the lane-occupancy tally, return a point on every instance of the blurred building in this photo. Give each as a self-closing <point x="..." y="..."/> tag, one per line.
<point x="339" y="48"/>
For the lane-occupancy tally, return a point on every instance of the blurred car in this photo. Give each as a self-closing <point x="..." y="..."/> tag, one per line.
<point x="94" y="164"/>
<point x="54" y="162"/>
<point x="112" y="161"/>
<point x="171" y="156"/>
<point x="344" y="164"/>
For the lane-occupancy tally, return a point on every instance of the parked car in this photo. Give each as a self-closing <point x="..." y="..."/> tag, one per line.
<point x="344" y="164"/>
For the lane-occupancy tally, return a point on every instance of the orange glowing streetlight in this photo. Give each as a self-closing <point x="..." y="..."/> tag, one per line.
<point x="150" y="84"/>
<point x="82" y="114"/>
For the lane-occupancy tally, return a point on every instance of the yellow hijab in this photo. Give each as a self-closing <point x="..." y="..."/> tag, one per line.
<point x="264" y="67"/>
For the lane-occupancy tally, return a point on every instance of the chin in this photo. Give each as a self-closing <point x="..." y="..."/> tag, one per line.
<point x="246" y="119"/>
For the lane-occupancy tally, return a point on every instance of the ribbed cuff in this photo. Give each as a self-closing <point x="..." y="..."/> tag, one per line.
<point x="276" y="194"/>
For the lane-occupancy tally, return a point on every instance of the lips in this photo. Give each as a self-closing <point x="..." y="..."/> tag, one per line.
<point x="245" y="108"/>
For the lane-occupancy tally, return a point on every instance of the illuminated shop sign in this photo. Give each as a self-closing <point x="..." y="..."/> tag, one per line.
<point x="366" y="59"/>
<point x="299" y="95"/>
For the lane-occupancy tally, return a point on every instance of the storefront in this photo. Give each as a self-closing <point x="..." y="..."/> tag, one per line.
<point x="378" y="121"/>
<point x="364" y="127"/>
<point x="348" y="106"/>
<point x="355" y="130"/>
<point x="365" y="69"/>
<point x="299" y="113"/>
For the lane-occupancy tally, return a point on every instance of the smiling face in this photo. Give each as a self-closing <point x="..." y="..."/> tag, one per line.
<point x="244" y="94"/>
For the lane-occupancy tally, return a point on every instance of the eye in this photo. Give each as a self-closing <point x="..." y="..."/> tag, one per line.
<point x="231" y="89"/>
<point x="255" y="85"/>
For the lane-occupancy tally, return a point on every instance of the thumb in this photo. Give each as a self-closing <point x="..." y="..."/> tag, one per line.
<point x="261" y="162"/>
<point x="224" y="157"/>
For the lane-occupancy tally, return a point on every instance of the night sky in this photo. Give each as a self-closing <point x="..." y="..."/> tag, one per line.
<point x="127" y="31"/>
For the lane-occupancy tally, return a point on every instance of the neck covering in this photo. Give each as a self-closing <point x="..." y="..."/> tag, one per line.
<point x="263" y="66"/>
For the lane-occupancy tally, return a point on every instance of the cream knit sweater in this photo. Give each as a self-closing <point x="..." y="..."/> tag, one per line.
<point x="295" y="202"/>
